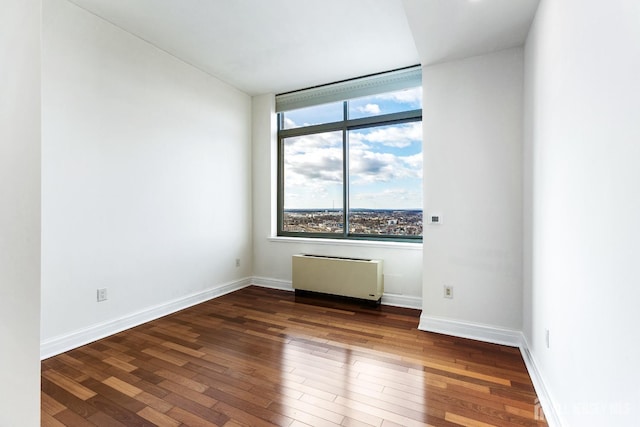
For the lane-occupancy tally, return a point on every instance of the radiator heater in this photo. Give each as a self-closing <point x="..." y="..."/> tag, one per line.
<point x="349" y="277"/>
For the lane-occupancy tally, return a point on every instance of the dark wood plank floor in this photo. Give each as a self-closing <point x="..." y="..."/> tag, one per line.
<point x="261" y="357"/>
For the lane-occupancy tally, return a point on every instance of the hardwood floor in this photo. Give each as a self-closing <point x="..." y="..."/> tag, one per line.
<point x="262" y="357"/>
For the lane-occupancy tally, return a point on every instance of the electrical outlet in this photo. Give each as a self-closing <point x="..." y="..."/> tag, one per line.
<point x="546" y="337"/>
<point x="237" y="262"/>
<point x="448" y="292"/>
<point x="102" y="294"/>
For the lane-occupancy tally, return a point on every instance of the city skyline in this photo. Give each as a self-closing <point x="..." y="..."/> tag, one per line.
<point x="382" y="222"/>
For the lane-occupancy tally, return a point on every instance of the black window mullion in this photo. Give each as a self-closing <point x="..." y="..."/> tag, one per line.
<point x="312" y="129"/>
<point x="387" y="119"/>
<point x="345" y="172"/>
<point x="280" y="190"/>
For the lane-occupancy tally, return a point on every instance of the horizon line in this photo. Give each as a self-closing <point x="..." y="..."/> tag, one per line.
<point x="353" y="209"/>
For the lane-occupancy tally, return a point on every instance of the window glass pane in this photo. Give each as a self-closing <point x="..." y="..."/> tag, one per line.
<point x="385" y="180"/>
<point x="316" y="115"/>
<point x="313" y="183"/>
<point x="386" y="103"/>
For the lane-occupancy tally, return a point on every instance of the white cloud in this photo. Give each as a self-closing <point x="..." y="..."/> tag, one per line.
<point x="391" y="136"/>
<point x="289" y="123"/>
<point x="321" y="165"/>
<point x="409" y="96"/>
<point x="316" y="160"/>
<point x="313" y="165"/>
<point x="414" y="162"/>
<point x="312" y="143"/>
<point x="367" y="167"/>
<point x="388" y="194"/>
<point x="370" y="109"/>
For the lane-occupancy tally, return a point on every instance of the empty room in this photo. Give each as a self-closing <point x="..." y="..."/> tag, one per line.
<point x="319" y="213"/>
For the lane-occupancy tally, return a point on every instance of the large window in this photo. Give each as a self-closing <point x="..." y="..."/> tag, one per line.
<point x="352" y="168"/>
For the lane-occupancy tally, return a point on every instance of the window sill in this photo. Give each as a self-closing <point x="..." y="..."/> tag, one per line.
<point x="417" y="246"/>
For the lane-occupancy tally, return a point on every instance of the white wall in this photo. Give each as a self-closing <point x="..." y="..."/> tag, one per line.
<point x="472" y="117"/>
<point x="20" y="213"/>
<point x="582" y="157"/>
<point x="272" y="257"/>
<point x="146" y="177"/>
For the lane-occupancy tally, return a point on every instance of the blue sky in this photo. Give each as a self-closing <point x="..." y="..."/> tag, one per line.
<point x="385" y="163"/>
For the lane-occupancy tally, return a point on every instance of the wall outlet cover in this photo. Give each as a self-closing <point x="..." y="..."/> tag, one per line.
<point x="448" y="292"/>
<point x="102" y="294"/>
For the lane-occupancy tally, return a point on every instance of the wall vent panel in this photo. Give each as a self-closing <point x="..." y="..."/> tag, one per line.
<point x="349" y="277"/>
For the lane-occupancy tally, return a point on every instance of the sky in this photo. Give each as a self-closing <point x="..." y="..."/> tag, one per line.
<point x="385" y="162"/>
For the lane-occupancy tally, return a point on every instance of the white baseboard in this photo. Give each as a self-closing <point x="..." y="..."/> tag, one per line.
<point x="266" y="282"/>
<point x="66" y="342"/>
<point x="496" y="335"/>
<point x="473" y="331"/>
<point x="550" y="413"/>
<point x="387" y="299"/>
<point x="405" y="301"/>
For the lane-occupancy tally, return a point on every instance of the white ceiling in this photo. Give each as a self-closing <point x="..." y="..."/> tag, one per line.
<point x="452" y="29"/>
<point x="277" y="46"/>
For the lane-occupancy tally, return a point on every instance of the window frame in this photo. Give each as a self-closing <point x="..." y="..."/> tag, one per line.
<point x="345" y="125"/>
